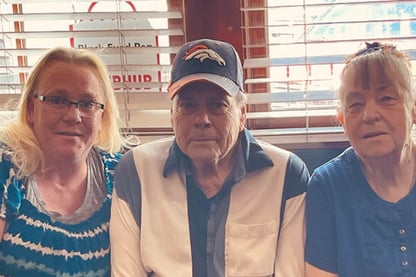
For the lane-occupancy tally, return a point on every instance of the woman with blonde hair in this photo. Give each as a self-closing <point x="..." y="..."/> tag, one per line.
<point x="57" y="159"/>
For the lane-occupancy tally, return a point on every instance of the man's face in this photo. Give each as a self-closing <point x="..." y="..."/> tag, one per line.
<point x="206" y="121"/>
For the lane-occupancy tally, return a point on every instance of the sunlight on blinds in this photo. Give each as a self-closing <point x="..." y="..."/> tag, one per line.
<point x="136" y="39"/>
<point x="298" y="60"/>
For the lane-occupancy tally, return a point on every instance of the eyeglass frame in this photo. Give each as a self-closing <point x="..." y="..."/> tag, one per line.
<point x="49" y="100"/>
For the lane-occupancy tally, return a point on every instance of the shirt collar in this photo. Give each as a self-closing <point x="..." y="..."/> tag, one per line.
<point x="249" y="157"/>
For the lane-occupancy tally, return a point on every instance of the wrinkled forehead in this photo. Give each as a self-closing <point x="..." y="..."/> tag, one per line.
<point x="366" y="76"/>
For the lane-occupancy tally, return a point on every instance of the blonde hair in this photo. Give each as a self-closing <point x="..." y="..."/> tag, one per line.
<point x="384" y="60"/>
<point x="18" y="134"/>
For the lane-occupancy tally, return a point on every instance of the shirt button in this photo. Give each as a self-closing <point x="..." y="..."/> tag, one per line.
<point x="404" y="263"/>
<point x="402" y="231"/>
<point x="403" y="248"/>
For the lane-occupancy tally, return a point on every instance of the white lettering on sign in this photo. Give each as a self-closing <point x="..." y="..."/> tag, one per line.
<point x="111" y="45"/>
<point x="130" y="39"/>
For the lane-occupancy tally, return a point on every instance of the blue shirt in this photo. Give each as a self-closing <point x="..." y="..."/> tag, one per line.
<point x="351" y="231"/>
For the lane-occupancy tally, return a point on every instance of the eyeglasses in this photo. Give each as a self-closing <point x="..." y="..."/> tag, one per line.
<point x="61" y="105"/>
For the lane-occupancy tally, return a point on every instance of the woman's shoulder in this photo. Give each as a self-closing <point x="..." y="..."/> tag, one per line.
<point x="110" y="160"/>
<point x="339" y="167"/>
<point x="5" y="158"/>
<point x="11" y="185"/>
<point x="4" y="148"/>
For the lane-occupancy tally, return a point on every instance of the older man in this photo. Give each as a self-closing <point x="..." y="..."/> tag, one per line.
<point x="211" y="201"/>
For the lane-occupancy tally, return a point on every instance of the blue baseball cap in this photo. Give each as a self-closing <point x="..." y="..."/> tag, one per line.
<point x="207" y="60"/>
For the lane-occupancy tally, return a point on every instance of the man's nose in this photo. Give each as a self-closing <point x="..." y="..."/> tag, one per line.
<point x="202" y="119"/>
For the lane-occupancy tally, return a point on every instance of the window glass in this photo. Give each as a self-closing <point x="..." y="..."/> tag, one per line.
<point x="123" y="33"/>
<point x="135" y="39"/>
<point x="308" y="41"/>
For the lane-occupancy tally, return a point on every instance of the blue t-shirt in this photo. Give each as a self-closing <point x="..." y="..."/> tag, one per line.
<point x="351" y="231"/>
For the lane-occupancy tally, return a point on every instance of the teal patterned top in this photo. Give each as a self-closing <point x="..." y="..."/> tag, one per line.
<point x="36" y="245"/>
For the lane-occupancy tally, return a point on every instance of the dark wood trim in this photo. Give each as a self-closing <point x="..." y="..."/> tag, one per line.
<point x="216" y="19"/>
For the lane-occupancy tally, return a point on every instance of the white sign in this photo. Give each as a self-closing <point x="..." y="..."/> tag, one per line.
<point x="137" y="78"/>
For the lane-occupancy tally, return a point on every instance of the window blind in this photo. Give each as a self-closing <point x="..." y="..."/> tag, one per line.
<point x="136" y="40"/>
<point x="294" y="53"/>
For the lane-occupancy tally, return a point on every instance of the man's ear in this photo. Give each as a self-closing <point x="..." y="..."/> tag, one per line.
<point x="171" y="115"/>
<point x="340" y="118"/>
<point x="414" y="113"/>
<point x="243" y="117"/>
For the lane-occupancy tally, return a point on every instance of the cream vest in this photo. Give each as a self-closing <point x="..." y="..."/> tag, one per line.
<point x="252" y="223"/>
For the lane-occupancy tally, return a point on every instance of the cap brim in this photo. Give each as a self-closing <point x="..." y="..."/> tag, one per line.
<point x="226" y="84"/>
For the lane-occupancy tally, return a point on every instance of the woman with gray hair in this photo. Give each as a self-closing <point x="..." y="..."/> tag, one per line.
<point x="361" y="206"/>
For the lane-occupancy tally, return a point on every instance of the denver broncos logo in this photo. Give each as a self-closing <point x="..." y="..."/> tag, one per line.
<point x="202" y="52"/>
